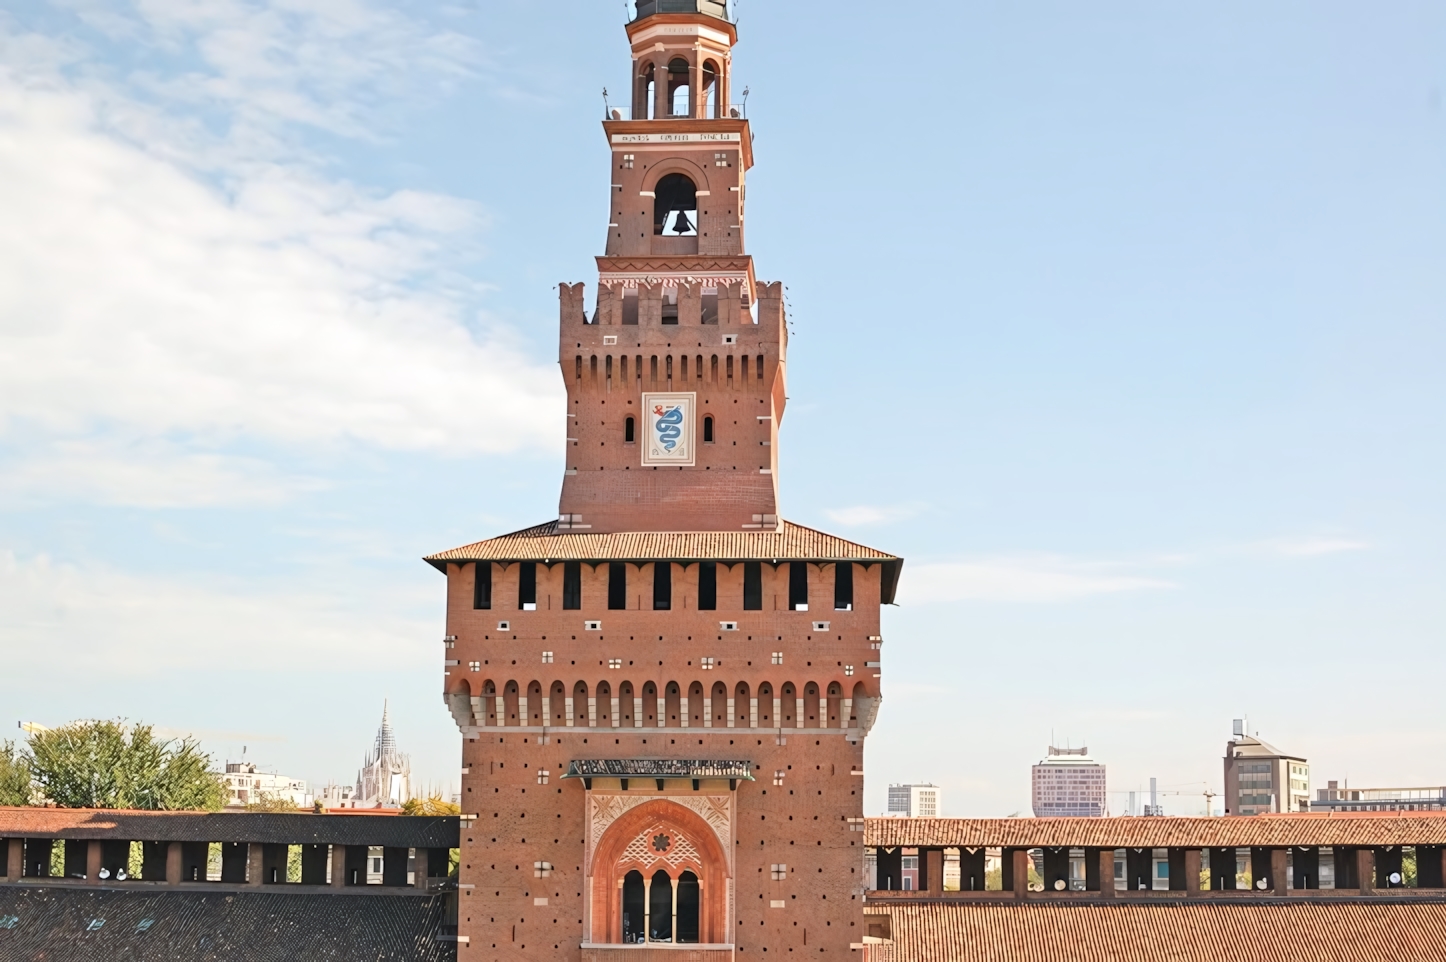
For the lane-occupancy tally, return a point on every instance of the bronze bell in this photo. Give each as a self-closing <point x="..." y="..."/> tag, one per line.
<point x="682" y="225"/>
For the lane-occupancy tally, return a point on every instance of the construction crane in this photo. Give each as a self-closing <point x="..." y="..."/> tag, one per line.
<point x="30" y="728"/>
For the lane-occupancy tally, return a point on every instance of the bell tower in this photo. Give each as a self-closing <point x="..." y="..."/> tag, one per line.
<point x="682" y="330"/>
<point x="664" y="693"/>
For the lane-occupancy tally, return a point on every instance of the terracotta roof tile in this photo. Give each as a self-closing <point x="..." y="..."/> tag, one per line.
<point x="1341" y="828"/>
<point x="543" y="543"/>
<point x="266" y="827"/>
<point x="1357" y="931"/>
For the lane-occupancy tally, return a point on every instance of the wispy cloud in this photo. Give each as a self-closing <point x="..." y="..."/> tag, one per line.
<point x="1028" y="579"/>
<point x="867" y="514"/>
<point x="147" y="474"/>
<point x="1310" y="547"/>
<point x="61" y="615"/>
<point x="177" y="269"/>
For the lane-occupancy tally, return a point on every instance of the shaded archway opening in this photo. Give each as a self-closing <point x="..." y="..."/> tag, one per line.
<point x="633" y="902"/>
<point x="688" y="906"/>
<point x="675" y="207"/>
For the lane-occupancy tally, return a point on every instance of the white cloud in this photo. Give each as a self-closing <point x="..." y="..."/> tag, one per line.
<point x="161" y="285"/>
<point x="1018" y="579"/>
<point x="866" y="514"/>
<point x="60" y="616"/>
<point x="1308" y="547"/>
<point x="147" y="475"/>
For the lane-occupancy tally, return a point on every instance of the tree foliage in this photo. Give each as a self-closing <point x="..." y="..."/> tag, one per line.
<point x="109" y="764"/>
<point x="433" y="804"/>
<point x="14" y="776"/>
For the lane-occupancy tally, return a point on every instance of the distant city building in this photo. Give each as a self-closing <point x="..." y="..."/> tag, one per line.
<point x="915" y="801"/>
<point x="1069" y="783"/>
<point x="245" y="785"/>
<point x="336" y="796"/>
<point x="1260" y="778"/>
<point x="1333" y="798"/>
<point x="385" y="779"/>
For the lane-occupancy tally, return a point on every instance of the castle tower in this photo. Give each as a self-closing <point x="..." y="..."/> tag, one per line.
<point x="664" y="693"/>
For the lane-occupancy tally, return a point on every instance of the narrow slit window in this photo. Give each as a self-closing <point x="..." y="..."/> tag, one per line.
<point x="710" y="305"/>
<point x="730" y="367"/>
<point x="752" y="586"/>
<point x="527" y="586"/>
<point x="759" y="368"/>
<point x="708" y="586"/>
<point x="744" y="364"/>
<point x="618" y="586"/>
<point x="630" y="430"/>
<point x="699" y="368"/>
<point x="843" y="586"/>
<point x="572" y="585"/>
<point x="482" y="586"/>
<point x="708" y="430"/>
<point x="662" y="585"/>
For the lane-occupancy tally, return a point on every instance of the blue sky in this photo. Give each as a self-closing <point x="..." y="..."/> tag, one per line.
<point x="1122" y="323"/>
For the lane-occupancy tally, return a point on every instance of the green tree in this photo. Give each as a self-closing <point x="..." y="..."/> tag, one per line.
<point x="109" y="764"/>
<point x="14" y="776"/>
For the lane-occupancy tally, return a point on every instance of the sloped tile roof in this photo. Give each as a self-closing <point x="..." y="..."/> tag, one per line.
<point x="398" y="831"/>
<point x="1337" y="828"/>
<point x="83" y="925"/>
<point x="1355" y="931"/>
<point x="543" y="543"/>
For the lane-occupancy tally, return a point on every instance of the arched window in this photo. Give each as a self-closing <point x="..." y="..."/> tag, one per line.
<point x="712" y="93"/>
<point x="708" y="430"/>
<point x="633" y="907"/>
<point x="660" y="908"/>
<point x="678" y="100"/>
<point x="675" y="207"/>
<point x="688" y="907"/>
<point x="629" y="429"/>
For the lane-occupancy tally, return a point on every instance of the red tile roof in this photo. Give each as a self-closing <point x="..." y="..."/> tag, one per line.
<point x="1336" y="828"/>
<point x="543" y="543"/>
<point x="1355" y="931"/>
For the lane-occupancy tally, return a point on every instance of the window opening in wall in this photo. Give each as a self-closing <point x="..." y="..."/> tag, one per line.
<point x="617" y="586"/>
<point x="798" y="586"/>
<point x="675" y="207"/>
<point x="547" y="657"/>
<point x="633" y="892"/>
<point x="759" y="368"/>
<point x="752" y="586"/>
<point x="629" y="431"/>
<point x="843" y="586"/>
<point x="660" y="928"/>
<point x="527" y="586"/>
<point x="630" y="307"/>
<point x="670" y="305"/>
<point x="708" y="430"/>
<point x="778" y="657"/>
<point x="678" y="89"/>
<point x="572" y="585"/>
<point x="662" y="585"/>
<point x="689" y="900"/>
<point x="710" y="305"/>
<point x="708" y="586"/>
<point x="628" y="161"/>
<point x="744" y="361"/>
<point x="482" y="586"/>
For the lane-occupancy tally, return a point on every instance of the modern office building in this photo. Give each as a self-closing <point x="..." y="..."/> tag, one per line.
<point x="915" y="801"/>
<point x="1260" y="778"/>
<point x="1337" y="798"/>
<point x="1068" y="782"/>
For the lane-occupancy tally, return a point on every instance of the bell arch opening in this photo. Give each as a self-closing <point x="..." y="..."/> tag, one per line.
<point x="675" y="207"/>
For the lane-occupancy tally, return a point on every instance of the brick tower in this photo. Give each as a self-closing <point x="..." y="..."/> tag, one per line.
<point x="664" y="692"/>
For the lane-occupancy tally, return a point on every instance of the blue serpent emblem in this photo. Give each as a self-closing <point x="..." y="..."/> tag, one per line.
<point x="667" y="426"/>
